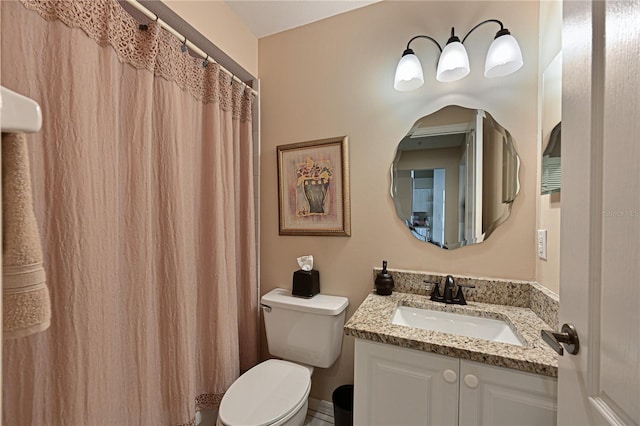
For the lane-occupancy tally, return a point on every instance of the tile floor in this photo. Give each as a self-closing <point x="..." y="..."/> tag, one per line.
<point x="320" y="413"/>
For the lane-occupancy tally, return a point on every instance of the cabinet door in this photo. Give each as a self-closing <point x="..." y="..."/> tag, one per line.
<point x="398" y="386"/>
<point x="496" y="396"/>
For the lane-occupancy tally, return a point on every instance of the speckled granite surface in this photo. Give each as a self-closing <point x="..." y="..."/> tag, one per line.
<point x="545" y="304"/>
<point x="526" y="294"/>
<point x="372" y="321"/>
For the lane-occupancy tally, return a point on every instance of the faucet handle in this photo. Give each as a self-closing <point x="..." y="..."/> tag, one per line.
<point x="435" y="290"/>
<point x="466" y="285"/>
<point x="459" y="298"/>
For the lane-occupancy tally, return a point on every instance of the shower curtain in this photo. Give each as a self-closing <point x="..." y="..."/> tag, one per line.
<point x="143" y="192"/>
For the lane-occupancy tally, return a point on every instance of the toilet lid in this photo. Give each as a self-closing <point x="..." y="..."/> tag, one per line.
<point x="265" y="394"/>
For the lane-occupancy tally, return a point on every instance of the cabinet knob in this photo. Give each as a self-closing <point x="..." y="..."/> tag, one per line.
<point x="450" y="376"/>
<point x="471" y="381"/>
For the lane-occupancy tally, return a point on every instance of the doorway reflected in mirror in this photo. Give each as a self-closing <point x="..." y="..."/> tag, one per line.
<point x="454" y="177"/>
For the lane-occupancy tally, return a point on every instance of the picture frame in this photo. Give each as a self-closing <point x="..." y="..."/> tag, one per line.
<point x="313" y="188"/>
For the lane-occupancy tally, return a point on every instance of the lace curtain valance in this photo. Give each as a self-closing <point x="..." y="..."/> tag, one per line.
<point x="153" y="49"/>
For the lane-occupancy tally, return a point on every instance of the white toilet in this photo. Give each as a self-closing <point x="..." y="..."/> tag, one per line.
<point x="275" y="392"/>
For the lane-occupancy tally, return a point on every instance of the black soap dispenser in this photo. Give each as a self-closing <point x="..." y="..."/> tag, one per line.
<point x="384" y="281"/>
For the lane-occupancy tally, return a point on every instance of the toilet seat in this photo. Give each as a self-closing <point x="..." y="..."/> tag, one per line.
<point x="268" y="394"/>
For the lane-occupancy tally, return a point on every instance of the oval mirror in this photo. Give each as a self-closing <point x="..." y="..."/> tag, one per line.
<point x="454" y="177"/>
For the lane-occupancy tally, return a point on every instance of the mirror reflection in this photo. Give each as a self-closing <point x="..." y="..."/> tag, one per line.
<point x="551" y="164"/>
<point x="454" y="177"/>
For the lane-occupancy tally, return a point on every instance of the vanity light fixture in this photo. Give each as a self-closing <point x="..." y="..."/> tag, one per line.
<point x="503" y="58"/>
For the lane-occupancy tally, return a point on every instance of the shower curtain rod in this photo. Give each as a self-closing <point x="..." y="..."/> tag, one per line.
<point x="189" y="44"/>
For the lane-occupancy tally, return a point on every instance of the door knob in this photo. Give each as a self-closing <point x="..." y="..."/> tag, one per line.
<point x="568" y="337"/>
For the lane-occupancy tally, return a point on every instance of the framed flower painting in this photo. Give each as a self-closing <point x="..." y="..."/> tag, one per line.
<point x="313" y="188"/>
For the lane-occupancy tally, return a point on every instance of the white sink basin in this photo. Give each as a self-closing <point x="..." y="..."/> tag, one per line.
<point x="463" y="325"/>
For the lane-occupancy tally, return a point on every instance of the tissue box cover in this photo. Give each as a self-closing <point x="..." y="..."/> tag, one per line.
<point x="306" y="283"/>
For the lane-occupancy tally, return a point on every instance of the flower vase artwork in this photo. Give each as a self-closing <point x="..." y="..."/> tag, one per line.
<point x="313" y="188"/>
<point x="313" y="180"/>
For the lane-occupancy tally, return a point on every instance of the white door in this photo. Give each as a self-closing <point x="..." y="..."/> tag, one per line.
<point x="600" y="240"/>
<point x="462" y="196"/>
<point x="439" y="200"/>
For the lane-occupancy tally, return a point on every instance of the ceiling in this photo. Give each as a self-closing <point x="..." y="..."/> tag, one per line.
<point x="267" y="17"/>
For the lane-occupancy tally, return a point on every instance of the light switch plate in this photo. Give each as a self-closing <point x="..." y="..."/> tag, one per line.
<point x="542" y="244"/>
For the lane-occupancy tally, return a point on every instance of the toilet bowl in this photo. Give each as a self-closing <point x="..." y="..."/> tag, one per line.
<point x="306" y="333"/>
<point x="274" y="393"/>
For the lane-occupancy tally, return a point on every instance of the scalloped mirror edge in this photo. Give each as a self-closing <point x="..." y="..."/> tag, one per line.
<point x="455" y="176"/>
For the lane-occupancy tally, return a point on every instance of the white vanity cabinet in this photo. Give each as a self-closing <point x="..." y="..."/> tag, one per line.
<point x="396" y="386"/>
<point x="491" y="395"/>
<point x="399" y="386"/>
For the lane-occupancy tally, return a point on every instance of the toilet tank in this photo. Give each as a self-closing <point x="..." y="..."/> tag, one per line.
<point x="307" y="331"/>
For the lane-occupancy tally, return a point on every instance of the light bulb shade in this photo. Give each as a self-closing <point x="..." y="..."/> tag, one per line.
<point x="409" y="74"/>
<point x="453" y="63"/>
<point x="504" y="57"/>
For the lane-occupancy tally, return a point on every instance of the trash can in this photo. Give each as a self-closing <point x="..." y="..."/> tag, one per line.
<point x="343" y="405"/>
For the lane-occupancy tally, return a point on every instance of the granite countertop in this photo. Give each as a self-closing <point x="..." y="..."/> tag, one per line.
<point x="372" y="321"/>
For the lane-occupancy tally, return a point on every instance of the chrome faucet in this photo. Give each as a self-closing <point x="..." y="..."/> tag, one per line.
<point x="448" y="297"/>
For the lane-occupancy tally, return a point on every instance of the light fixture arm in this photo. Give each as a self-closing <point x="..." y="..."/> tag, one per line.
<point x="428" y="38"/>
<point x="502" y="31"/>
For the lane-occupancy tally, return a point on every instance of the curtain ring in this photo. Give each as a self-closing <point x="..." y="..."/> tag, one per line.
<point x="145" y="27"/>
<point x="183" y="48"/>
<point x="205" y="62"/>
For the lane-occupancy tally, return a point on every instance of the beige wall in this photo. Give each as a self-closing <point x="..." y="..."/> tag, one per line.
<point x="548" y="271"/>
<point x="217" y="22"/>
<point x="335" y="77"/>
